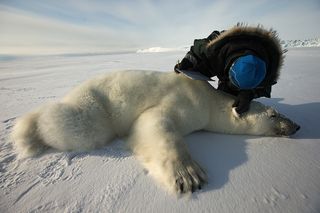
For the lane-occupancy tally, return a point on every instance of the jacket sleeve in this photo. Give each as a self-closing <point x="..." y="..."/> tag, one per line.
<point x="200" y="45"/>
<point x="196" y="58"/>
<point x="256" y="93"/>
<point x="263" y="92"/>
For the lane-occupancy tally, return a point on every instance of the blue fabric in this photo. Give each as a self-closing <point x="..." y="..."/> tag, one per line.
<point x="247" y="72"/>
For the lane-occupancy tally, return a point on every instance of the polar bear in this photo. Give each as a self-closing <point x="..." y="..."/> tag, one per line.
<point x="153" y="110"/>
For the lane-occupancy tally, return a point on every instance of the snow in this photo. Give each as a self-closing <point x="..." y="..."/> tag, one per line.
<point x="315" y="42"/>
<point x="246" y="173"/>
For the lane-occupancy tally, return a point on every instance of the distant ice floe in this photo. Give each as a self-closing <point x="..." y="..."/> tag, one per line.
<point x="162" y="49"/>
<point x="315" y="42"/>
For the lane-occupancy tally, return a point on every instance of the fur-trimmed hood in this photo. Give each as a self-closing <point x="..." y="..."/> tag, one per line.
<point x="242" y="40"/>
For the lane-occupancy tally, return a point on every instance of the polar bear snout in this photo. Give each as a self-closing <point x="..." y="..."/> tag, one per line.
<point x="287" y="127"/>
<point x="291" y="130"/>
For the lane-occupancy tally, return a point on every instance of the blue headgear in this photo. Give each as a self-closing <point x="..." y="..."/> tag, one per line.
<point x="247" y="72"/>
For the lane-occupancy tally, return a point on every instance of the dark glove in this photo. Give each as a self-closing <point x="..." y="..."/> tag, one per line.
<point x="225" y="87"/>
<point x="185" y="64"/>
<point x="263" y="92"/>
<point x="242" y="102"/>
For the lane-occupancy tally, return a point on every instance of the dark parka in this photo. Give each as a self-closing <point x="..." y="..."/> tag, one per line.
<point x="214" y="55"/>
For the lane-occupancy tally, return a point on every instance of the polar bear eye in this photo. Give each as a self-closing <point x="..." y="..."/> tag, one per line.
<point x="273" y="115"/>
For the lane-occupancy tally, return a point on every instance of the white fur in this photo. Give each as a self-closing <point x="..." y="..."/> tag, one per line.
<point x="235" y="113"/>
<point x="153" y="109"/>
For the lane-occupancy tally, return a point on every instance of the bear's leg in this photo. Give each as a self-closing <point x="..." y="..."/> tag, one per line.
<point x="66" y="127"/>
<point x="161" y="150"/>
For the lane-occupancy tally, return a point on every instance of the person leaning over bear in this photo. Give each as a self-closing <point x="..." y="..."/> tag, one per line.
<point x="246" y="60"/>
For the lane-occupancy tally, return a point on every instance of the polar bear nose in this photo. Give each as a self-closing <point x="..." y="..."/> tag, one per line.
<point x="290" y="129"/>
<point x="295" y="128"/>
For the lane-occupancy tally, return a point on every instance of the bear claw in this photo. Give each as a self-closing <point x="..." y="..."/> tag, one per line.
<point x="189" y="178"/>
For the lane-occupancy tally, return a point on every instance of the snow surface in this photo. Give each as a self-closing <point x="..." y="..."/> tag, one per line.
<point x="246" y="173"/>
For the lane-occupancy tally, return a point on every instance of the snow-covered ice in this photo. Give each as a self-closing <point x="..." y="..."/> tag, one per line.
<point x="314" y="42"/>
<point x="246" y="173"/>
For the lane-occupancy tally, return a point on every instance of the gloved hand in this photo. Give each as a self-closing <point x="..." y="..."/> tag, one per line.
<point x="225" y="87"/>
<point x="242" y="102"/>
<point x="185" y="64"/>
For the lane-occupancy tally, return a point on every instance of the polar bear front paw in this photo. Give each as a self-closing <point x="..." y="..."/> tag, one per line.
<point x="189" y="177"/>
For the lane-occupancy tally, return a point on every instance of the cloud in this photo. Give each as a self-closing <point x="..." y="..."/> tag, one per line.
<point x="78" y="25"/>
<point x="31" y="34"/>
<point x="297" y="20"/>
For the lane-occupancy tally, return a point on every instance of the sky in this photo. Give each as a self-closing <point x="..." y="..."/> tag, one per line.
<point x="73" y="26"/>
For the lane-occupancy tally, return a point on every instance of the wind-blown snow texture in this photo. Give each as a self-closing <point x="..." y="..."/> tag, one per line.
<point x="246" y="173"/>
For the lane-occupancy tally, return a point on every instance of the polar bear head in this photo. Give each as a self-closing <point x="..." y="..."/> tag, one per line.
<point x="264" y="120"/>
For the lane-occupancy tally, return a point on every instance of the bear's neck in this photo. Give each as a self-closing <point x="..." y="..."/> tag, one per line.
<point x="222" y="119"/>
